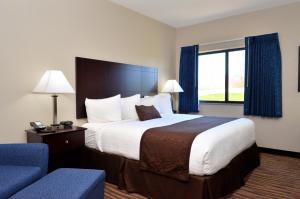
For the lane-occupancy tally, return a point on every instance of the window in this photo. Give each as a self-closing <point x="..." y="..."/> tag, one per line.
<point x="221" y="76"/>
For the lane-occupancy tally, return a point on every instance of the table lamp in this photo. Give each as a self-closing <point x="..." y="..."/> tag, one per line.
<point x="53" y="82"/>
<point x="172" y="86"/>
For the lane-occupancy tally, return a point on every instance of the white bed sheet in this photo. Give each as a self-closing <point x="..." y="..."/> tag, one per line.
<point x="211" y="150"/>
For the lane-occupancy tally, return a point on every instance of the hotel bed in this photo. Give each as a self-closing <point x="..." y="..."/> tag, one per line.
<point x="219" y="159"/>
<point x="211" y="150"/>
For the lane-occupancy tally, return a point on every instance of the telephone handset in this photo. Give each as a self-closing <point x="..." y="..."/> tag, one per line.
<point x="37" y="125"/>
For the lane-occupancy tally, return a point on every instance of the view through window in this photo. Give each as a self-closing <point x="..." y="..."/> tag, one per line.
<point x="221" y="76"/>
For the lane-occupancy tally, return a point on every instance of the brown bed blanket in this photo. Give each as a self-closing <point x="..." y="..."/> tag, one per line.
<point x="166" y="150"/>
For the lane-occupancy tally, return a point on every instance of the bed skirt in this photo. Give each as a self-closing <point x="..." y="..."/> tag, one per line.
<point x="126" y="174"/>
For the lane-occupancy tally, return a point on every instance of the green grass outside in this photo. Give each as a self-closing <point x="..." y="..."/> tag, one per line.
<point x="221" y="97"/>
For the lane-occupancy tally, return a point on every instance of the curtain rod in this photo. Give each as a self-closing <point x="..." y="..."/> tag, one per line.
<point x="218" y="42"/>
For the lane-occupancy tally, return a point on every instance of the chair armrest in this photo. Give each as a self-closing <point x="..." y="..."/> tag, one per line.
<point x="25" y="155"/>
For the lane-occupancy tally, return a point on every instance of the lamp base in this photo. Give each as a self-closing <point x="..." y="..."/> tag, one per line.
<point x="173" y="102"/>
<point x="54" y="111"/>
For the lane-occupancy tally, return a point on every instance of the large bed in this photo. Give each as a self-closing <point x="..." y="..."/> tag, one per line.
<point x="211" y="150"/>
<point x="220" y="157"/>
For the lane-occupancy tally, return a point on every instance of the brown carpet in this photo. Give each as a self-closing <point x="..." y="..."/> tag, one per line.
<point x="278" y="177"/>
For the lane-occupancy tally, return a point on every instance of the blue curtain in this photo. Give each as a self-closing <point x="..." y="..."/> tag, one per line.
<point x="263" y="95"/>
<point x="188" y="79"/>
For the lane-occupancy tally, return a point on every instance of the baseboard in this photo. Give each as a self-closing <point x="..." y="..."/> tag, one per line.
<point x="280" y="152"/>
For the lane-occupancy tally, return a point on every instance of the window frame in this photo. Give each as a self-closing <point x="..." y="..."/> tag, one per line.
<point x="226" y="51"/>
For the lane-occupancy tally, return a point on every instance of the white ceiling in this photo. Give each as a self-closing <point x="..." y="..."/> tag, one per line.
<point x="180" y="13"/>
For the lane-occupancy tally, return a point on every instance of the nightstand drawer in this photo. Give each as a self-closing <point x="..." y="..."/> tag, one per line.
<point x="60" y="143"/>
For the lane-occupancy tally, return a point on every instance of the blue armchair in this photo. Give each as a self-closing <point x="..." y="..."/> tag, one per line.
<point x="21" y="165"/>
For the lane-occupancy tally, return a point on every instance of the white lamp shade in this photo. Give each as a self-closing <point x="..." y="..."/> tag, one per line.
<point x="54" y="82"/>
<point x="172" y="86"/>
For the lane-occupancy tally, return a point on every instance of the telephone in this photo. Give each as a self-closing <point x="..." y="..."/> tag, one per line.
<point x="37" y="125"/>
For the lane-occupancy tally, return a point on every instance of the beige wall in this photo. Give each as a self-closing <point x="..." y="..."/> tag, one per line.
<point x="38" y="35"/>
<point x="273" y="133"/>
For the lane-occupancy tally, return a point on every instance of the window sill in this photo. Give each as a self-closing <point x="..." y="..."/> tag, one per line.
<point x="222" y="103"/>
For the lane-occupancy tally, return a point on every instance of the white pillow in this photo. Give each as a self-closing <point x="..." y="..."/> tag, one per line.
<point x="149" y="101"/>
<point x="104" y="110"/>
<point x="128" y="107"/>
<point x="165" y="104"/>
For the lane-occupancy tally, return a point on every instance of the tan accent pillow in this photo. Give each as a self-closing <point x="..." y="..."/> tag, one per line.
<point x="147" y="112"/>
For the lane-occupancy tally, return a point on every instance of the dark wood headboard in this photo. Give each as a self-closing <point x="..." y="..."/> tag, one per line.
<point x="96" y="79"/>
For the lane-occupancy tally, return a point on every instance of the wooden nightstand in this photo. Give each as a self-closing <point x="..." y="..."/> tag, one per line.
<point x="65" y="146"/>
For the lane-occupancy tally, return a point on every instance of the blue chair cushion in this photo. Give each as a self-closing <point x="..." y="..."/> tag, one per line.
<point x="66" y="183"/>
<point x="15" y="178"/>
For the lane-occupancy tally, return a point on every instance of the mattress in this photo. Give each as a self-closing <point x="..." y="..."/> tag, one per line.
<point x="211" y="150"/>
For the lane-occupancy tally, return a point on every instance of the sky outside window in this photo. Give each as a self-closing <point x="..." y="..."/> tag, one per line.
<point x="212" y="77"/>
<point x="236" y="75"/>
